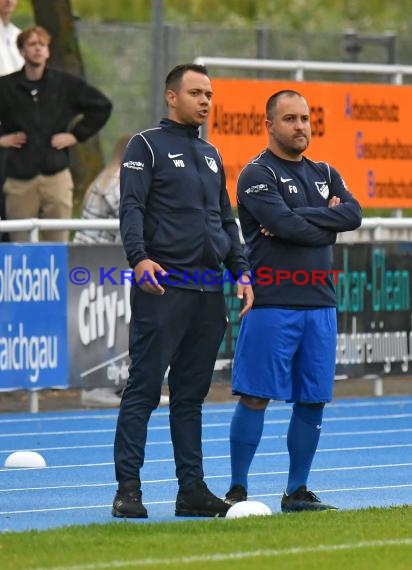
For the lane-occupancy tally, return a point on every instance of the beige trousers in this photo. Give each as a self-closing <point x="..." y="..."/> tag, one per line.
<point x="40" y="197"/>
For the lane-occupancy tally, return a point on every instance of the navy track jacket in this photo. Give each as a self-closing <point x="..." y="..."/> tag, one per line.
<point x="174" y="207"/>
<point x="290" y="199"/>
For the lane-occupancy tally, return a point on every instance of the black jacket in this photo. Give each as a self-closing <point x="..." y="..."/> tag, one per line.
<point x="174" y="207"/>
<point x="290" y="199"/>
<point x="42" y="109"/>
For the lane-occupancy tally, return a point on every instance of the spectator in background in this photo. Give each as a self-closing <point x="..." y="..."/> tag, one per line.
<point x="102" y="198"/>
<point x="101" y="201"/>
<point x="43" y="112"/>
<point x="10" y="60"/>
<point x="10" y="57"/>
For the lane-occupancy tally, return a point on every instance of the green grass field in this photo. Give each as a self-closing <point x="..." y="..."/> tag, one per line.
<point x="370" y="539"/>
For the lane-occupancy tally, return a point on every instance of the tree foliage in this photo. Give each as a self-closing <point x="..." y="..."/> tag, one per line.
<point x="57" y="18"/>
<point x="317" y="15"/>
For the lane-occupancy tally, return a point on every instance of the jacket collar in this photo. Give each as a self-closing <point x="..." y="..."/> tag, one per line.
<point x="179" y="129"/>
<point x="22" y="79"/>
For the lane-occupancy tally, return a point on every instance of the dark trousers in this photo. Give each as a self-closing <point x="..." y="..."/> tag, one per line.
<point x="183" y="329"/>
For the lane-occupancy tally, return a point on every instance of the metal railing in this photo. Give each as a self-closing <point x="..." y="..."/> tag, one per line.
<point x="299" y="67"/>
<point x="34" y="225"/>
<point x="371" y="229"/>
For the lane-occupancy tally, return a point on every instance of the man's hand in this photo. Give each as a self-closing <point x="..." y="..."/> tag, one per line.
<point x="13" y="140"/>
<point x="334" y="201"/>
<point x="265" y="232"/>
<point x="63" y="140"/>
<point x="145" y="275"/>
<point x="245" y="293"/>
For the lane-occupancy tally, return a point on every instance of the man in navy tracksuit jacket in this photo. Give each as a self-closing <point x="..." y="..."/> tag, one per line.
<point x="177" y="230"/>
<point x="290" y="210"/>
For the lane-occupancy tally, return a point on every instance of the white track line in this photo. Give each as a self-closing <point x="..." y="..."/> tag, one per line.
<point x="213" y="440"/>
<point x="173" y="479"/>
<point x="211" y="457"/>
<point x="208" y="409"/>
<point x="261" y="474"/>
<point x="242" y="555"/>
<point x="334" y="450"/>
<point x="210" y="425"/>
<point x="168" y="502"/>
<point x="66" y="432"/>
<point x="36" y="418"/>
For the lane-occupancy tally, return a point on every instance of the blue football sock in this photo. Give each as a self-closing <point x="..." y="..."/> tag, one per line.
<point x="245" y="432"/>
<point x="302" y="440"/>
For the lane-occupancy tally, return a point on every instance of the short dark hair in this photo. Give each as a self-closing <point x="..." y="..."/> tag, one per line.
<point x="273" y="99"/>
<point x="174" y="77"/>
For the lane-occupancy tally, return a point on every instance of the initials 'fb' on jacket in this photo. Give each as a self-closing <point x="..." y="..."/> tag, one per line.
<point x="174" y="206"/>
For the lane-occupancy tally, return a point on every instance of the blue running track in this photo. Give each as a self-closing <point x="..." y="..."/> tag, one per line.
<point x="364" y="459"/>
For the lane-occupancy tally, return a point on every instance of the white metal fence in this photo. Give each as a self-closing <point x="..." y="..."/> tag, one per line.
<point x="299" y="68"/>
<point x="372" y="229"/>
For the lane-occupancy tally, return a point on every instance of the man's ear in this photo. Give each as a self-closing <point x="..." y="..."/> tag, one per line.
<point x="170" y="97"/>
<point x="268" y="124"/>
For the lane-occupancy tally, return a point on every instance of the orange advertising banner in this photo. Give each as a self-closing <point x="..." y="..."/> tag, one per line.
<point x="363" y="130"/>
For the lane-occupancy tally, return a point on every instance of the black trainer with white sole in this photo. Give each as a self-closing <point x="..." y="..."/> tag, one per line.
<point x="236" y="494"/>
<point x="200" y="502"/>
<point x="127" y="502"/>
<point x="303" y="500"/>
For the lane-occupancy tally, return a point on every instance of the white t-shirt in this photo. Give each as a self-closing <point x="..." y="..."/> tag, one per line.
<point x="10" y="58"/>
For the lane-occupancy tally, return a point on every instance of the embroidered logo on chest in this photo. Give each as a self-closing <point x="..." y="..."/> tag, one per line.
<point x="211" y="162"/>
<point x="323" y="189"/>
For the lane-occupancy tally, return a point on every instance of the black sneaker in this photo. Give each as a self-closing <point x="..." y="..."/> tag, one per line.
<point x="236" y="494"/>
<point x="127" y="503"/>
<point x="303" y="500"/>
<point x="200" y="502"/>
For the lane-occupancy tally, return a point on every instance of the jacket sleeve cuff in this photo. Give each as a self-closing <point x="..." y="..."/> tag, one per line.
<point x="133" y="261"/>
<point x="239" y="270"/>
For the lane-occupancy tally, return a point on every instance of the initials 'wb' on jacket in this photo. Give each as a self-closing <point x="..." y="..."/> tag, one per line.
<point x="174" y="206"/>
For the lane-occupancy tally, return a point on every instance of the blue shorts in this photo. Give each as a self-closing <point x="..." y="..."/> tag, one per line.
<point x="286" y="354"/>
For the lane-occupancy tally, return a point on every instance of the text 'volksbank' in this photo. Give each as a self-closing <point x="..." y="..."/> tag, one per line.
<point x="32" y="328"/>
<point x="28" y="284"/>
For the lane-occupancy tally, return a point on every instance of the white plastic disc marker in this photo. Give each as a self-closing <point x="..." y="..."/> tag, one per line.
<point x="25" y="459"/>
